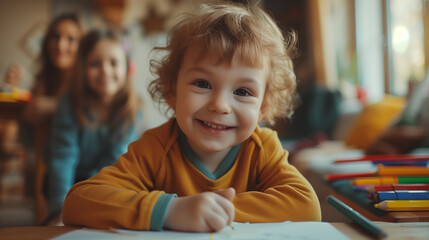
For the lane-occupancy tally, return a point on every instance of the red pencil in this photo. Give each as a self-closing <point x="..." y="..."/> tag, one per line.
<point x="338" y="176"/>
<point x="396" y="187"/>
<point x="386" y="158"/>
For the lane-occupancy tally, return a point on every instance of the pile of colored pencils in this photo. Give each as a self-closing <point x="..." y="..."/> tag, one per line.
<point x="401" y="182"/>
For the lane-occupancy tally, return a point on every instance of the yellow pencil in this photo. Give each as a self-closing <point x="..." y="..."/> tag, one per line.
<point x="373" y="181"/>
<point x="403" y="205"/>
<point x="388" y="180"/>
<point x="402" y="171"/>
<point x="232" y="226"/>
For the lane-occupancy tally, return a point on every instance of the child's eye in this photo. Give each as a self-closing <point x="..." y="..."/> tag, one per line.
<point x="94" y="64"/>
<point x="71" y="39"/>
<point x="242" y="92"/>
<point x="113" y="63"/>
<point x="201" y="84"/>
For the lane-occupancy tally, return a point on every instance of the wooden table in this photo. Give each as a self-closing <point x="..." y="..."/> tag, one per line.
<point x="394" y="231"/>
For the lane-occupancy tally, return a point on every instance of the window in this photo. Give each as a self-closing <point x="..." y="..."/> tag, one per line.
<point x="390" y="45"/>
<point x="406" y="43"/>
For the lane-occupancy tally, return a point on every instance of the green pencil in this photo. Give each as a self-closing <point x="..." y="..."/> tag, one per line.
<point x="357" y="217"/>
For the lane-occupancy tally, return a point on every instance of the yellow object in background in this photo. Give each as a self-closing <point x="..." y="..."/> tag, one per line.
<point x="6" y="97"/>
<point x="15" y="95"/>
<point x="373" y="120"/>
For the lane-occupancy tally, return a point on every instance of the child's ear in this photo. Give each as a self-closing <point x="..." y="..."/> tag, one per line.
<point x="170" y="96"/>
<point x="171" y="101"/>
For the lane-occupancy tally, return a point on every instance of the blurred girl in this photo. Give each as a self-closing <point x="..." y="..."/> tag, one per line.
<point x="94" y="123"/>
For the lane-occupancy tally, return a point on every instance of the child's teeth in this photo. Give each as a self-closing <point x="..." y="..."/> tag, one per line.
<point x="210" y="125"/>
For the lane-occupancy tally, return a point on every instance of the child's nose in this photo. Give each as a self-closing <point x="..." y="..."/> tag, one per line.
<point x="63" y="44"/>
<point x="105" y="68"/>
<point x="220" y="103"/>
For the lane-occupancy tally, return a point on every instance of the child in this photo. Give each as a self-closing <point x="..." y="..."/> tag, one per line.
<point x="96" y="122"/>
<point x="227" y="70"/>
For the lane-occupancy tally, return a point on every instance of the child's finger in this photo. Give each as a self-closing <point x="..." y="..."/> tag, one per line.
<point x="216" y="222"/>
<point x="227" y="208"/>
<point x="228" y="193"/>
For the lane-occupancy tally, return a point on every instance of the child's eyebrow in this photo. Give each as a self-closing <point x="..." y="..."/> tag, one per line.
<point x="243" y="79"/>
<point x="250" y="80"/>
<point x="198" y="69"/>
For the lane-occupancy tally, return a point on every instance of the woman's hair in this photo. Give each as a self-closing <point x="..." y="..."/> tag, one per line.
<point x="48" y="79"/>
<point x="125" y="104"/>
<point x="231" y="30"/>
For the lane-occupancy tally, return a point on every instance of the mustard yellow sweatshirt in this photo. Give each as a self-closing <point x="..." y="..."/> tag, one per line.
<point x="136" y="191"/>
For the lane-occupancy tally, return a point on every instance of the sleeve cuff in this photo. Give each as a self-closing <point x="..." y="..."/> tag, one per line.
<point x="159" y="211"/>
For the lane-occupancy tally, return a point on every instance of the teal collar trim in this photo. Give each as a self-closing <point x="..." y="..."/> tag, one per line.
<point x="193" y="158"/>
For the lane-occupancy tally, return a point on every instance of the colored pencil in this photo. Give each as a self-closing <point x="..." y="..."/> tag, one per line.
<point x="357" y="217"/>
<point x="338" y="176"/>
<point x="402" y="171"/>
<point x="396" y="187"/>
<point x="385" y="158"/>
<point x="400" y="195"/>
<point x="382" y="171"/>
<point x="403" y="205"/>
<point x="388" y="180"/>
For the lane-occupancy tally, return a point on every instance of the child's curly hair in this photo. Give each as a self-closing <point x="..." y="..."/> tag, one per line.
<point x="231" y="30"/>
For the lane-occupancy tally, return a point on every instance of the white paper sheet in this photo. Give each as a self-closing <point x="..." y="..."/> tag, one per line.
<point x="93" y="234"/>
<point x="261" y="231"/>
<point x="241" y="231"/>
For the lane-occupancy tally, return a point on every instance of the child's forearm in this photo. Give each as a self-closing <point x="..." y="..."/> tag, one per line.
<point x="277" y="205"/>
<point x="98" y="204"/>
<point x="119" y="196"/>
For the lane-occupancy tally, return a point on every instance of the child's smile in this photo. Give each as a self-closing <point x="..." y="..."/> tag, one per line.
<point x="217" y="103"/>
<point x="215" y="126"/>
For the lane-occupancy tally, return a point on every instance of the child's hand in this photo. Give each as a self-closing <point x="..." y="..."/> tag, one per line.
<point x="14" y="75"/>
<point x="39" y="109"/>
<point x="203" y="212"/>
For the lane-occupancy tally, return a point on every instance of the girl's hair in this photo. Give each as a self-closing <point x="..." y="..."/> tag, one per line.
<point x="48" y="79"/>
<point x="230" y="30"/>
<point x="125" y="104"/>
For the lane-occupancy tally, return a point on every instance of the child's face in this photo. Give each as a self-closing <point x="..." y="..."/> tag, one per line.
<point x="106" y="68"/>
<point x="217" y="105"/>
<point x="63" y="45"/>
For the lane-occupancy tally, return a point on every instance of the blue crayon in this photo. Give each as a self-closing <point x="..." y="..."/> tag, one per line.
<point x="413" y="195"/>
<point x="401" y="195"/>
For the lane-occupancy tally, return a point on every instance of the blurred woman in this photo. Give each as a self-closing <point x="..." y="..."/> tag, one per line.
<point x="56" y="63"/>
<point x="57" y="59"/>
